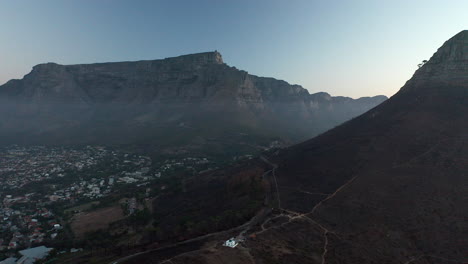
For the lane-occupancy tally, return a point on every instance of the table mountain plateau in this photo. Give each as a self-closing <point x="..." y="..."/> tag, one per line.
<point x="187" y="100"/>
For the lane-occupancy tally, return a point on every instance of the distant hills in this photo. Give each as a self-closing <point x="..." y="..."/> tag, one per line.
<point x="389" y="186"/>
<point x="181" y="104"/>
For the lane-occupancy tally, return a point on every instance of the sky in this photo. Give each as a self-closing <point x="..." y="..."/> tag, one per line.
<point x="348" y="48"/>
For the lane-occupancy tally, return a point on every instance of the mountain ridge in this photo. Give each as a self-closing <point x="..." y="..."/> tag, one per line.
<point x="198" y="59"/>
<point x="147" y="100"/>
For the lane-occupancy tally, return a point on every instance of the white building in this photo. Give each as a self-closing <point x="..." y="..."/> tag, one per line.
<point x="95" y="190"/>
<point x="231" y="243"/>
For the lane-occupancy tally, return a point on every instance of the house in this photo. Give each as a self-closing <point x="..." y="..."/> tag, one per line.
<point x="12" y="245"/>
<point x="30" y="255"/>
<point x="231" y="243"/>
<point x="95" y="190"/>
<point x="9" y="261"/>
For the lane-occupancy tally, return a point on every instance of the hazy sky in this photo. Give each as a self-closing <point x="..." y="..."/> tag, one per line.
<point x="351" y="48"/>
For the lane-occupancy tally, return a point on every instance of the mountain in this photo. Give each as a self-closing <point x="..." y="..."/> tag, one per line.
<point x="390" y="186"/>
<point x="186" y="101"/>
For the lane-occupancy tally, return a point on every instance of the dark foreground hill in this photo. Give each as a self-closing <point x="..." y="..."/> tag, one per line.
<point x="185" y="102"/>
<point x="390" y="186"/>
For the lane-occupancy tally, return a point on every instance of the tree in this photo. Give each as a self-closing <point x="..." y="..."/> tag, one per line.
<point x="422" y="63"/>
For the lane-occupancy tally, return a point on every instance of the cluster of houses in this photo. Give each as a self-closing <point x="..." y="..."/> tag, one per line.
<point x="26" y="227"/>
<point x="188" y="163"/>
<point x="20" y="165"/>
<point x="92" y="188"/>
<point x="78" y="175"/>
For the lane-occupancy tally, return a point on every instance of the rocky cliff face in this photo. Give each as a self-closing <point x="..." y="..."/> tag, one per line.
<point x="133" y="99"/>
<point x="449" y="63"/>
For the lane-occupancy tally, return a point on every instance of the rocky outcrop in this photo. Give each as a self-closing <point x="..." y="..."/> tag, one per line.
<point x="448" y="65"/>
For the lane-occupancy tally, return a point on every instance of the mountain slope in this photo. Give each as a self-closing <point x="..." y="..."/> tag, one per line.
<point x="185" y="100"/>
<point x="390" y="186"/>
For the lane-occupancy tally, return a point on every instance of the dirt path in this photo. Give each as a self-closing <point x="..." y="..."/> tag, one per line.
<point x="123" y="259"/>
<point x="332" y="195"/>
<point x="273" y="172"/>
<point x="259" y="217"/>
<point x="435" y="257"/>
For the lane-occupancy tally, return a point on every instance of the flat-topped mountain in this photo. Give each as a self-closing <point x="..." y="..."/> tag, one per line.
<point x="389" y="186"/>
<point x="186" y="100"/>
